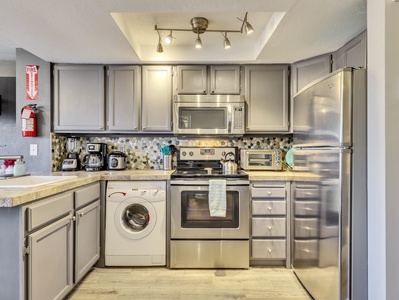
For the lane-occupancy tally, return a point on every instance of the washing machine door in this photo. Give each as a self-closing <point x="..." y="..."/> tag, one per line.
<point x="135" y="218"/>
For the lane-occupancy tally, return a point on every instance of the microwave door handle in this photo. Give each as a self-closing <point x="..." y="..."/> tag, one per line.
<point x="229" y="123"/>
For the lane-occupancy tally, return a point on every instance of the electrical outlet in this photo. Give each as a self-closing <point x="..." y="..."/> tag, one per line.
<point x="33" y="149"/>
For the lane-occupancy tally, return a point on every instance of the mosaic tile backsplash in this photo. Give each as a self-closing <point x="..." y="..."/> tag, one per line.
<point x="144" y="153"/>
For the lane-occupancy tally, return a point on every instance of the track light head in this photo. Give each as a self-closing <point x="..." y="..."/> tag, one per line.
<point x="226" y="41"/>
<point x="248" y="28"/>
<point x="159" y="47"/>
<point x="169" y="38"/>
<point x="198" y="42"/>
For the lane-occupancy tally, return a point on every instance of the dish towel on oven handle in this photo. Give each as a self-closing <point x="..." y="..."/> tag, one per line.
<point x="217" y="197"/>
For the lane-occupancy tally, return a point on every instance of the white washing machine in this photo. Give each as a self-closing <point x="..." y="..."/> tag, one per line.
<point x="135" y="223"/>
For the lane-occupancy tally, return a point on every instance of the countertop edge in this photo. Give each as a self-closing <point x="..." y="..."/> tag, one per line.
<point x="15" y="197"/>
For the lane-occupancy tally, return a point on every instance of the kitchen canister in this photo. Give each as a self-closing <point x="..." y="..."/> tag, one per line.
<point x="167" y="162"/>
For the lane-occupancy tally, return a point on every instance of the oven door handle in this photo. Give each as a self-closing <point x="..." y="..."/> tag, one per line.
<point x="206" y="182"/>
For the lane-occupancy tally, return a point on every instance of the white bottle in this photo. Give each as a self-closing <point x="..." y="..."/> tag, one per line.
<point x="19" y="168"/>
<point x="3" y="170"/>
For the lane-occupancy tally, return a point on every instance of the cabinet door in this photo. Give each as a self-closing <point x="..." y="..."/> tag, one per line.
<point x="352" y="54"/>
<point x="79" y="98"/>
<point x="191" y="80"/>
<point x="156" y="100"/>
<point x="50" y="261"/>
<point x="266" y="93"/>
<point x="225" y="80"/>
<point x="124" y="98"/>
<point x="304" y="72"/>
<point x="87" y="239"/>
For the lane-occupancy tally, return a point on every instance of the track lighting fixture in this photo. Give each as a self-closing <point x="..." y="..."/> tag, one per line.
<point x="199" y="25"/>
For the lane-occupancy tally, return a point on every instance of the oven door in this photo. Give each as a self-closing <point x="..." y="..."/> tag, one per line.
<point x="190" y="215"/>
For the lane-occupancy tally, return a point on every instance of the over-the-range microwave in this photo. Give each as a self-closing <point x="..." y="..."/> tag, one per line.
<point x="209" y="115"/>
<point x="261" y="159"/>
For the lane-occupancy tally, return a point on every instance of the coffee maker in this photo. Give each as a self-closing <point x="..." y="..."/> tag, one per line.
<point x="95" y="159"/>
<point x="72" y="162"/>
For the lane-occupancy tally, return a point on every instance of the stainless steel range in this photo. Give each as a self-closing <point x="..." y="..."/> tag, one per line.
<point x="209" y="211"/>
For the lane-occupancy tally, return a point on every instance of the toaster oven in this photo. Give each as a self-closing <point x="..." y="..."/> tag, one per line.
<point x="261" y="159"/>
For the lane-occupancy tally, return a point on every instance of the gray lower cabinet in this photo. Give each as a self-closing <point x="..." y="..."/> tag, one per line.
<point x="51" y="244"/>
<point x="87" y="229"/>
<point x="267" y="96"/>
<point x="50" y="261"/>
<point x="79" y="98"/>
<point x="270" y="238"/>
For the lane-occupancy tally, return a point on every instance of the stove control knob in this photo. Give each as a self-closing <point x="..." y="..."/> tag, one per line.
<point x="184" y="153"/>
<point x="191" y="153"/>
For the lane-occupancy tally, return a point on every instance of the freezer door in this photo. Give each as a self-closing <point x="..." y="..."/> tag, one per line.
<point x="320" y="217"/>
<point x="323" y="110"/>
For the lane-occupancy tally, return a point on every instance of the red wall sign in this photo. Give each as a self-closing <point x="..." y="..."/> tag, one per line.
<point x="32" y="83"/>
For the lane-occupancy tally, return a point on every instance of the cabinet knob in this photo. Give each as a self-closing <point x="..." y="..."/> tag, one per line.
<point x="270" y="250"/>
<point x="270" y="208"/>
<point x="81" y="214"/>
<point x="269" y="193"/>
<point x="204" y="91"/>
<point x="213" y="91"/>
<point x="72" y="218"/>
<point x="270" y="228"/>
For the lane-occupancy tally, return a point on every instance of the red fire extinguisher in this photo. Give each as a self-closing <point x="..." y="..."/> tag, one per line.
<point x="29" y="120"/>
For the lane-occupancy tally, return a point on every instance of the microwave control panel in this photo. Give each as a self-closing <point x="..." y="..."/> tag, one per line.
<point x="238" y="117"/>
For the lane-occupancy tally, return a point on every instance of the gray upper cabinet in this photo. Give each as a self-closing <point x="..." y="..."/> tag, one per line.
<point x="156" y="114"/>
<point x="352" y="54"/>
<point x="124" y="92"/>
<point x="191" y="80"/>
<point x="225" y="79"/>
<point x="304" y="72"/>
<point x="79" y="98"/>
<point x="266" y="93"/>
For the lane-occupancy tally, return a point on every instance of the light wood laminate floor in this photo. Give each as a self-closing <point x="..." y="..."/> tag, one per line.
<point x="162" y="283"/>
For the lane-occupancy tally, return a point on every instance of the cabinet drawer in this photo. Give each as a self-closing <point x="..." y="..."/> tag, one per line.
<point x="268" y="192"/>
<point x="306" y="227"/>
<point x="268" y="207"/>
<point x="306" y="208"/>
<point x="305" y="249"/>
<point x="269" y="227"/>
<point x="49" y="210"/>
<point x="306" y="193"/>
<point x="87" y="194"/>
<point x="273" y="249"/>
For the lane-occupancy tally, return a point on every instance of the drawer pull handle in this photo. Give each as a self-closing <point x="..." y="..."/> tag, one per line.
<point x="270" y="250"/>
<point x="269" y="193"/>
<point x="270" y="228"/>
<point x="270" y="208"/>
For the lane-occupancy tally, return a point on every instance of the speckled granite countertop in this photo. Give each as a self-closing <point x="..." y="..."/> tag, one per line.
<point x="13" y="197"/>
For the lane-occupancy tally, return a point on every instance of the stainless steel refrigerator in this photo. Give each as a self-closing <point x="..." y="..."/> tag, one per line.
<point x="329" y="199"/>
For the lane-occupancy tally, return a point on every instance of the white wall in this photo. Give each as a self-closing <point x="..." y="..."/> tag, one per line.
<point x="383" y="142"/>
<point x="7" y="68"/>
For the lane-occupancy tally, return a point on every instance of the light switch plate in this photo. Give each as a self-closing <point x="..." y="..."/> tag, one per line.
<point x="33" y="149"/>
